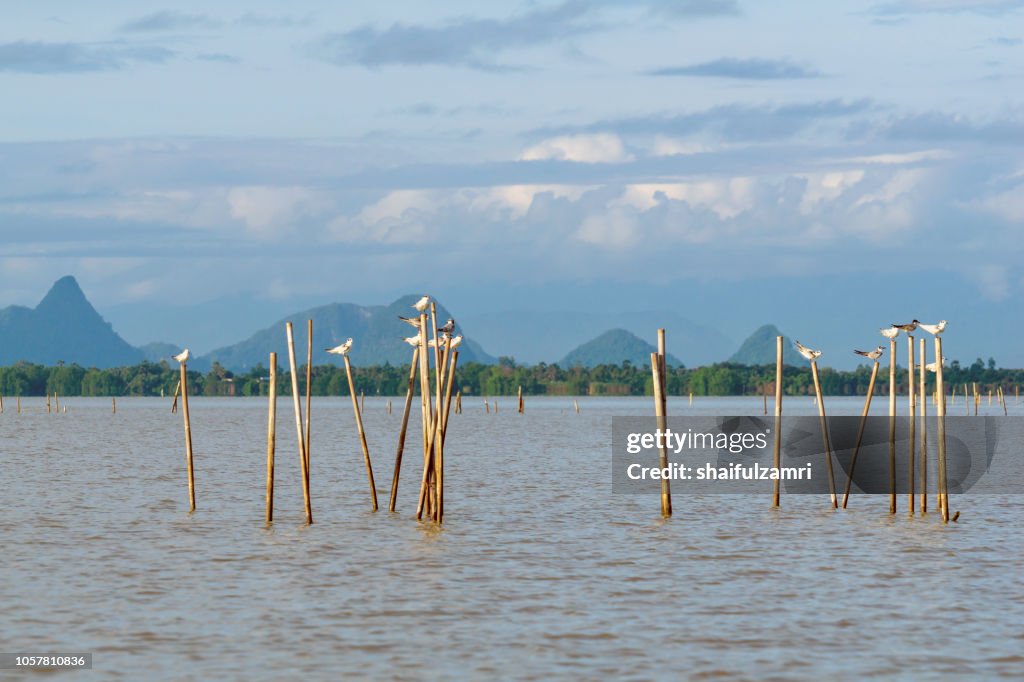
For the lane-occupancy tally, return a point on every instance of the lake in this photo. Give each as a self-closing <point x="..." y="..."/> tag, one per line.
<point x="539" y="571"/>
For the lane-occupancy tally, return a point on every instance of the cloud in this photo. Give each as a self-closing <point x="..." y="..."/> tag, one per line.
<point x="1005" y="41"/>
<point x="942" y="126"/>
<point x="741" y="69"/>
<point x="733" y="121"/>
<point x="984" y="7"/>
<point x="51" y="58"/>
<point x="171" y="20"/>
<point x="218" y="57"/>
<point x="599" y="148"/>
<point x="687" y="9"/>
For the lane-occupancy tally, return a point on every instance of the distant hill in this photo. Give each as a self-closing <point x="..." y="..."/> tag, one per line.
<point x="376" y="330"/>
<point x="157" y="351"/>
<point x="759" y="349"/>
<point x="63" y="327"/>
<point x="614" y="347"/>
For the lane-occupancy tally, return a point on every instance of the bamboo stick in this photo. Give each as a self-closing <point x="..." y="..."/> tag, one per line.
<point x="389" y="406"/>
<point x="777" y="461"/>
<point x="362" y="401"/>
<point x="188" y="439"/>
<point x="1002" y="399"/>
<point x="967" y="403"/>
<point x="892" y="426"/>
<point x="520" y="401"/>
<point x="309" y="385"/>
<point x="458" y="402"/>
<point x="56" y="401"/>
<point x="174" y="403"/>
<point x="271" y="436"/>
<point x="47" y="402"/>
<point x="659" y="415"/>
<point x="113" y="405"/>
<point x="911" y="423"/>
<point x="860" y="431"/>
<point x="19" y="404"/>
<point x="487" y="406"/>
<point x="923" y="376"/>
<point x="298" y="424"/>
<point x="576" y="405"/>
<point x="824" y="435"/>
<point x="410" y="390"/>
<point x="426" y="412"/>
<point x="941" y="411"/>
<point x="451" y="358"/>
<point x="362" y="433"/>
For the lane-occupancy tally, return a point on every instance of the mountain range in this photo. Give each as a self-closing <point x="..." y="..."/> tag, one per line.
<point x="65" y="327"/>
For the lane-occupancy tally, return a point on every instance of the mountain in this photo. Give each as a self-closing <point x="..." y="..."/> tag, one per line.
<point x="759" y="349"/>
<point x="63" y="327"/>
<point x="157" y="351"/>
<point x="514" y="332"/>
<point x="614" y="347"/>
<point x="376" y="330"/>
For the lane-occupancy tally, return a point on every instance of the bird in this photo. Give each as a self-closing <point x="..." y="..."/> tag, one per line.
<point x="421" y="304"/>
<point x="182" y="356"/>
<point x="909" y="327"/>
<point x="933" y="329"/>
<point x="412" y="321"/>
<point x="342" y="349"/>
<point x="808" y="353"/>
<point x="873" y="354"/>
<point x="433" y="343"/>
<point x="890" y="332"/>
<point x="456" y="340"/>
<point x="413" y="341"/>
<point x="932" y="367"/>
<point x="448" y="327"/>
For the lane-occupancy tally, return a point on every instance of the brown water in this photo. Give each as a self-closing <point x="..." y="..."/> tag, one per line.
<point x="538" y="573"/>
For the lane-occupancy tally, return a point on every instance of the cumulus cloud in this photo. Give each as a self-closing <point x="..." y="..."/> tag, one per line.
<point x="598" y="148"/>
<point x="53" y="58"/>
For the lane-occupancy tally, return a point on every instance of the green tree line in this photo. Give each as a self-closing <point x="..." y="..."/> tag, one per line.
<point x="504" y="378"/>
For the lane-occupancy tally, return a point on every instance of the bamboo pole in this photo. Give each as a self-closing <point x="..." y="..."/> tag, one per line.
<point x="777" y="460"/>
<point x="410" y="390"/>
<point x="487" y="406"/>
<point x="659" y="415"/>
<point x="860" y="431"/>
<point x="174" y="403"/>
<point x="1002" y="399"/>
<point x="892" y="426"/>
<point x="271" y="435"/>
<point x="362" y="402"/>
<point x="967" y="403"/>
<point x="188" y="439"/>
<point x="520" y="400"/>
<point x="113" y="405"/>
<point x="941" y="412"/>
<point x="426" y="412"/>
<point x="47" y="402"/>
<point x="824" y="435"/>
<point x="458" y="402"/>
<point x="442" y="425"/>
<point x="56" y="400"/>
<point x="19" y="404"/>
<point x="911" y="423"/>
<point x="309" y="384"/>
<point x="362" y="433"/>
<point x="298" y="424"/>
<point x="389" y="406"/>
<point x="923" y="376"/>
<point x="576" y="405"/>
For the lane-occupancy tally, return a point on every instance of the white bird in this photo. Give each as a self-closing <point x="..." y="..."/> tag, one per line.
<point x="182" y="356"/>
<point x="413" y="341"/>
<point x="933" y="329"/>
<point x="909" y="327"/>
<point x="433" y="342"/>
<point x="456" y="340"/>
<point x="890" y="332"/>
<point x="421" y="304"/>
<point x="412" y="321"/>
<point x="808" y="353"/>
<point x="873" y="354"/>
<point x="931" y="366"/>
<point x="448" y="327"/>
<point x="342" y="349"/>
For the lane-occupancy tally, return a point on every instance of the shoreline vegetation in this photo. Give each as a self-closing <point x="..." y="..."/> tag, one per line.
<point x="474" y="379"/>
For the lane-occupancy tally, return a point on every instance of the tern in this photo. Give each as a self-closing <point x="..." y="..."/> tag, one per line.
<point x="182" y="356"/>
<point x="909" y="327"/>
<point x="933" y="329"/>
<point x="448" y="327"/>
<point x="433" y="343"/>
<point x="411" y="321"/>
<point x="413" y="341"/>
<point x="873" y="354"/>
<point x="890" y="332"/>
<point x="421" y="304"/>
<point x="808" y="353"/>
<point x="342" y="349"/>
<point x="456" y="340"/>
<point x="931" y="367"/>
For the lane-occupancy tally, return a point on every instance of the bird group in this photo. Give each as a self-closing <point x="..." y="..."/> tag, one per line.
<point x="890" y="332"/>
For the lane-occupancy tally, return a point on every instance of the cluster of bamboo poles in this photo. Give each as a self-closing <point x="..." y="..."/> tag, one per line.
<point x="53" y="407"/>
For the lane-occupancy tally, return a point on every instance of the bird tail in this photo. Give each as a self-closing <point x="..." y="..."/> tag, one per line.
<point x="861" y="352"/>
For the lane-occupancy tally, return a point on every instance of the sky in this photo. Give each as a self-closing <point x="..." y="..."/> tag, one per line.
<point x="518" y="156"/>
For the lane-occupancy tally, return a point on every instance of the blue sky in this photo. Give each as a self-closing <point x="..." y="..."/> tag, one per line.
<point x="355" y="151"/>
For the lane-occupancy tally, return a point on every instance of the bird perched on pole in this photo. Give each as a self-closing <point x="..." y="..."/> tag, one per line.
<point x="448" y="327"/>
<point x="890" y="332"/>
<point x="182" y="356"/>
<point x="456" y="340"/>
<point x="413" y="341"/>
<point x="933" y="329"/>
<point x="909" y="327"/>
<point x="421" y="304"/>
<point x="808" y="353"/>
<point x="873" y="354"/>
<point x="343" y="349"/>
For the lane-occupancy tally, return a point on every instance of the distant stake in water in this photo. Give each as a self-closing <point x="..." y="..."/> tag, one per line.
<point x="892" y="425"/>
<point x="409" y="391"/>
<point x="923" y="465"/>
<point x="298" y="424"/>
<point x="911" y="423"/>
<point x="309" y="384"/>
<point x="777" y="461"/>
<point x="271" y="436"/>
<point x="188" y="438"/>
<point x="941" y="410"/>
<point x="860" y="431"/>
<point x="174" y="403"/>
